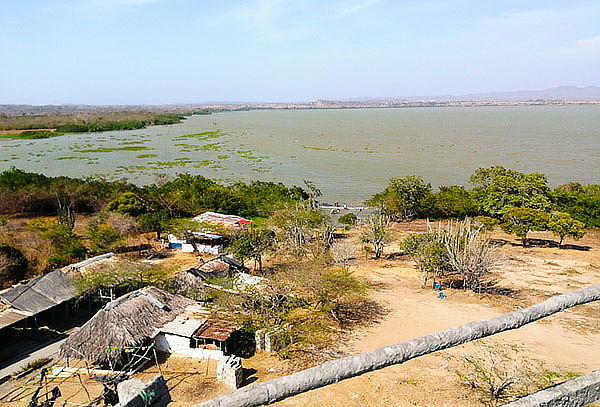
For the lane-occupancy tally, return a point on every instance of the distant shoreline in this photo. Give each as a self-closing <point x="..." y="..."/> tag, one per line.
<point x="52" y="111"/>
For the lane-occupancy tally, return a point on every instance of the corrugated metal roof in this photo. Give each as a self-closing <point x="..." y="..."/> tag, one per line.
<point x="89" y="261"/>
<point x="217" y="330"/>
<point x="41" y="293"/>
<point x="221" y="218"/>
<point x="182" y="326"/>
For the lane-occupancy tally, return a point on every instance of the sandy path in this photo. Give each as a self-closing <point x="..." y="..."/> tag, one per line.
<point x="414" y="311"/>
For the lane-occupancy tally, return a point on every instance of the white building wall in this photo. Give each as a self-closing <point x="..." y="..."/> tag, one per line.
<point x="188" y="248"/>
<point x="181" y="345"/>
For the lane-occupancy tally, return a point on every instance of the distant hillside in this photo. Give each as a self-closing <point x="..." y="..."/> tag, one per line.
<point x="558" y="95"/>
<point x="561" y="93"/>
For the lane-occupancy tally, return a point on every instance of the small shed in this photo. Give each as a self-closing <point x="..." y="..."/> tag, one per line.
<point x="198" y="335"/>
<point x="197" y="242"/>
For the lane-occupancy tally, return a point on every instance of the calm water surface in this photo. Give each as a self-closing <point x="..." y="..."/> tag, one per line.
<point x="349" y="153"/>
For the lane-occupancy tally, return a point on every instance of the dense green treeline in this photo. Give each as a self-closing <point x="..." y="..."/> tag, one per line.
<point x="184" y="196"/>
<point x="32" y="134"/>
<point x="119" y="125"/>
<point x="91" y="122"/>
<point x="496" y="191"/>
<point x="116" y="210"/>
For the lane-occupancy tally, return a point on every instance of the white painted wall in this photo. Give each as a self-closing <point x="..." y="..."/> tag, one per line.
<point x="188" y="248"/>
<point x="181" y="345"/>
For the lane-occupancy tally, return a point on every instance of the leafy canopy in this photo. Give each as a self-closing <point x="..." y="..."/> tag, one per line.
<point x="562" y="225"/>
<point x="520" y="221"/>
<point x="498" y="188"/>
<point x="403" y="199"/>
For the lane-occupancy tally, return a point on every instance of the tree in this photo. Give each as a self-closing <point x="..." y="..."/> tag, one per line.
<point x="377" y="233"/>
<point x="66" y="245"/>
<point x="426" y="250"/>
<point x="487" y="223"/>
<point x="349" y="219"/>
<point x="452" y="202"/>
<point x="314" y="193"/>
<point x="67" y="194"/>
<point x="562" y="225"/>
<point x="293" y="223"/>
<point x="129" y="203"/>
<point x="459" y="249"/>
<point x="103" y="237"/>
<point x="582" y="202"/>
<point x="404" y="198"/>
<point x="498" y="189"/>
<point x="154" y="222"/>
<point x="254" y="244"/>
<point x="13" y="265"/>
<point x="520" y="221"/>
<point x="468" y="254"/>
<point x="122" y="223"/>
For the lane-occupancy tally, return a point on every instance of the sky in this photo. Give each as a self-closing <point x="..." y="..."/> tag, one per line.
<point x="194" y="51"/>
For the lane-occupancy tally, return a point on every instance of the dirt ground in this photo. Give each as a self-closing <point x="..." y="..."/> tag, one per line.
<point x="564" y="344"/>
<point x="559" y="346"/>
<point x="567" y="342"/>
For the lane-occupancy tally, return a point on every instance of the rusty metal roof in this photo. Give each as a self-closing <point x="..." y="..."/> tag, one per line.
<point x="217" y="330"/>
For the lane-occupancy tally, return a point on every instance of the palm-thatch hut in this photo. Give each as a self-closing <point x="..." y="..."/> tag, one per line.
<point x="124" y="327"/>
<point x="191" y="282"/>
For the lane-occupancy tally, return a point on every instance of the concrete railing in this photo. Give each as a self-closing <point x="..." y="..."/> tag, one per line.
<point x="573" y="393"/>
<point x="351" y="366"/>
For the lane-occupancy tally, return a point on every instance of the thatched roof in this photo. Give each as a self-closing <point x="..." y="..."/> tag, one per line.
<point x="129" y="321"/>
<point x="185" y="283"/>
<point x="218" y="267"/>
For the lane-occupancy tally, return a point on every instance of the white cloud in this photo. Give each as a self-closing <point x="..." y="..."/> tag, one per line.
<point x="117" y="3"/>
<point x="345" y="8"/>
<point x="542" y="16"/>
<point x="585" y="50"/>
<point x="285" y="20"/>
<point x="590" y="43"/>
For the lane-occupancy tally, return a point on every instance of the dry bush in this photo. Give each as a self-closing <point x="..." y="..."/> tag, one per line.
<point x="377" y="232"/>
<point x="469" y="254"/>
<point x="459" y="249"/>
<point x="501" y="372"/>
<point x="342" y="253"/>
<point x="310" y="303"/>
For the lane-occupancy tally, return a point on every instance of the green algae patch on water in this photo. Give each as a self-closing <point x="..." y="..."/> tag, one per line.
<point x="206" y="135"/>
<point x="188" y="148"/>
<point x="69" y="158"/>
<point x="146" y="156"/>
<point x="180" y="162"/>
<point x="130" y="143"/>
<point x="112" y="149"/>
<point x="319" y="148"/>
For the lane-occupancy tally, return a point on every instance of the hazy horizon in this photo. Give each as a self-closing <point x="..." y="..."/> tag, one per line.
<point x="133" y="52"/>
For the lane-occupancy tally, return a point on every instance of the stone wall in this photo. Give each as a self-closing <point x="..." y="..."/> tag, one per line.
<point x="577" y="392"/>
<point x="135" y="393"/>
<point x="230" y="371"/>
<point x="270" y="340"/>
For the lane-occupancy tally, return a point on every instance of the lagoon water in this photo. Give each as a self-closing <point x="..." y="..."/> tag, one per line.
<point x="349" y="153"/>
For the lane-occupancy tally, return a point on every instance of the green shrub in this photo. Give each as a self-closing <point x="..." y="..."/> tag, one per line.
<point x="349" y="219"/>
